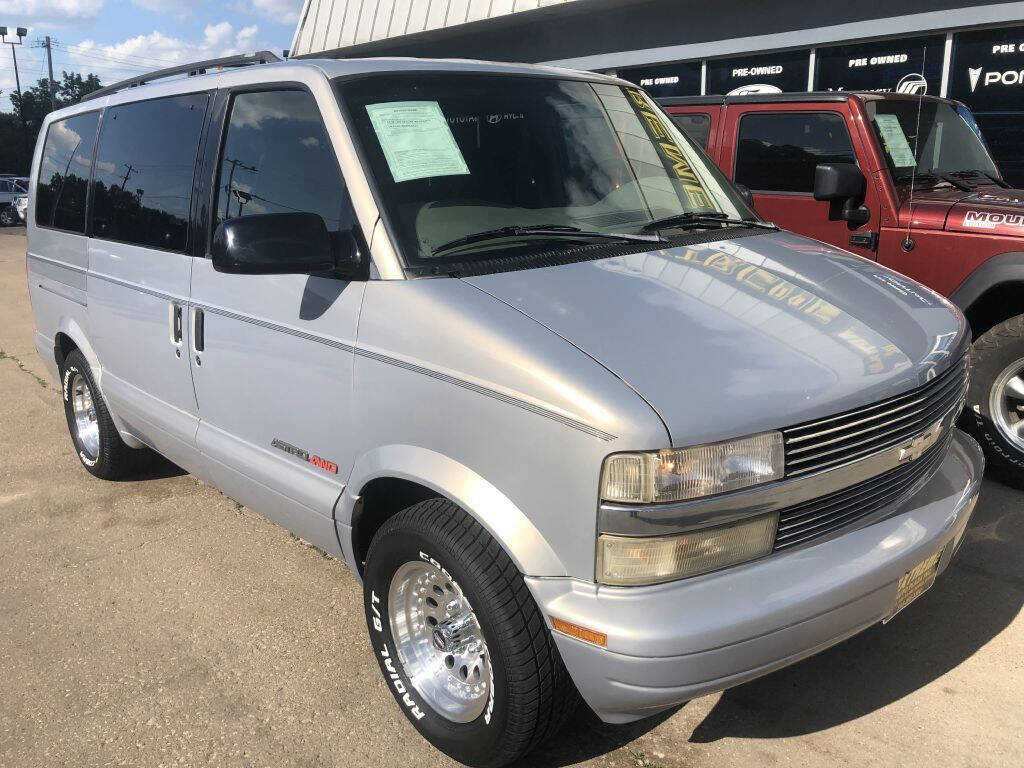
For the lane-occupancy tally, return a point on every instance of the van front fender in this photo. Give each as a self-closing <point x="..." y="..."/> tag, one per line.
<point x="489" y="506"/>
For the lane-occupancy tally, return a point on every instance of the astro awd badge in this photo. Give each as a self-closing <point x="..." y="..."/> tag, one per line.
<point x="300" y="453"/>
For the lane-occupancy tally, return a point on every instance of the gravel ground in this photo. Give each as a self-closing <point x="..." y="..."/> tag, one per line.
<point x="157" y="622"/>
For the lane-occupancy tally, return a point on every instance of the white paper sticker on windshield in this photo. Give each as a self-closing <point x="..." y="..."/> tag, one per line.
<point x="896" y="143"/>
<point x="416" y="139"/>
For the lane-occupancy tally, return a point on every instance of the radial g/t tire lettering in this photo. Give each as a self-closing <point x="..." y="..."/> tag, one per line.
<point x="442" y="596"/>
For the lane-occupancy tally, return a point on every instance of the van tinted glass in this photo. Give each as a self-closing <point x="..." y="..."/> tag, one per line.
<point x="64" y="172"/>
<point x="277" y="158"/>
<point x="144" y="168"/>
<point x="778" y="152"/>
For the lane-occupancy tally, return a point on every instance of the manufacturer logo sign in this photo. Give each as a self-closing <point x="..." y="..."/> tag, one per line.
<point x="913" y="84"/>
<point x="974" y="75"/>
<point x="1009" y="77"/>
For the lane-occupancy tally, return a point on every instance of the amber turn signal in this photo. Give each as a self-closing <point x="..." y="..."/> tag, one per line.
<point x="580" y="633"/>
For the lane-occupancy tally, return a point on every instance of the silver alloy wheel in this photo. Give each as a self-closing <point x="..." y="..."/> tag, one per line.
<point x="87" y="428"/>
<point x="439" y="641"/>
<point x="1006" y="403"/>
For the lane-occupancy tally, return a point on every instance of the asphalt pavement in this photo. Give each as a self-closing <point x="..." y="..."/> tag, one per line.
<point x="156" y="622"/>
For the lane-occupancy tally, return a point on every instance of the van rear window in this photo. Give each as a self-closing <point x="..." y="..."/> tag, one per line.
<point x="64" y="172"/>
<point x="145" y="164"/>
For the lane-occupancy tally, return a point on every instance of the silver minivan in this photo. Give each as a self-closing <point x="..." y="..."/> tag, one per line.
<point x="502" y="340"/>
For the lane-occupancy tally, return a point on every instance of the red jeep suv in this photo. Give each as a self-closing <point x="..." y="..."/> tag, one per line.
<point x="903" y="180"/>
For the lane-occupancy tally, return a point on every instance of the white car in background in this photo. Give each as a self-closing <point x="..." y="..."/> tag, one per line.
<point x="11" y="188"/>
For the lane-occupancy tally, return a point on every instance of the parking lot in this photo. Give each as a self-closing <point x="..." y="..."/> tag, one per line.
<point x="157" y="622"/>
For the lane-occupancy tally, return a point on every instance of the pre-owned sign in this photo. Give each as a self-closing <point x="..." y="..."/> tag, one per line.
<point x="904" y="66"/>
<point x="770" y="73"/>
<point x="987" y="70"/>
<point x="680" y="79"/>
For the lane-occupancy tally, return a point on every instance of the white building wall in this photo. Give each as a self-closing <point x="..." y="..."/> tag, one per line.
<point x="328" y="24"/>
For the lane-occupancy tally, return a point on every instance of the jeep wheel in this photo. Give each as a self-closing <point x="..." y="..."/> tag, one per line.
<point x="8" y="218"/>
<point x="97" y="442"/>
<point x="995" y="400"/>
<point x="461" y="644"/>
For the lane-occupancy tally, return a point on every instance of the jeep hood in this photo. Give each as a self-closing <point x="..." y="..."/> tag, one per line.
<point x="985" y="210"/>
<point x="739" y="336"/>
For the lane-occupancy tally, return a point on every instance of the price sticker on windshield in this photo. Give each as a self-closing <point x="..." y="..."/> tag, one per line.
<point x="416" y="140"/>
<point x="895" y="141"/>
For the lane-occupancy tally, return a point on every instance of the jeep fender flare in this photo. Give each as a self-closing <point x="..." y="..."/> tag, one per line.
<point x="510" y="527"/>
<point x="1003" y="268"/>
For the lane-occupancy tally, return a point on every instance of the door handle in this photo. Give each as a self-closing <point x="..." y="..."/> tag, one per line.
<point x="175" y="321"/>
<point x="198" y="330"/>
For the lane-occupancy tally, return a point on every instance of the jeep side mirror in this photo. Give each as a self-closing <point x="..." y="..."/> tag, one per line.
<point x="843" y="183"/>
<point x="838" y="181"/>
<point x="745" y="194"/>
<point x="284" y="244"/>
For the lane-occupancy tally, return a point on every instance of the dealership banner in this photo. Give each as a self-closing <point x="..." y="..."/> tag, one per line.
<point x="988" y="69"/>
<point x="771" y="73"/>
<point x="912" y="66"/>
<point x="679" y="79"/>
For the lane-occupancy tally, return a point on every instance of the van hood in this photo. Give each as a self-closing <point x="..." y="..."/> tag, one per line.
<point x="985" y="210"/>
<point x="739" y="336"/>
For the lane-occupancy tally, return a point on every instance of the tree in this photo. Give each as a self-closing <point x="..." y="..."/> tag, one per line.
<point x="34" y="104"/>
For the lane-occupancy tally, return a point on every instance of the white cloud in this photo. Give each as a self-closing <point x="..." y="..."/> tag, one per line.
<point x="281" y="11"/>
<point x="156" y="50"/>
<point x="53" y="13"/>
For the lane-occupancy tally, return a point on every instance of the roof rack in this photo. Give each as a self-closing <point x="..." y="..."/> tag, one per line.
<point x="195" y="68"/>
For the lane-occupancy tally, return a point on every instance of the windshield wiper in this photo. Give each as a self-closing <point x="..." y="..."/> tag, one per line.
<point x="919" y="177"/>
<point x="695" y="219"/>
<point x="974" y="173"/>
<point x="955" y="179"/>
<point x="544" y="230"/>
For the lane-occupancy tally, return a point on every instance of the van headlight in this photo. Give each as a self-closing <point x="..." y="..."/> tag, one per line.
<point x="679" y="474"/>
<point x="635" y="560"/>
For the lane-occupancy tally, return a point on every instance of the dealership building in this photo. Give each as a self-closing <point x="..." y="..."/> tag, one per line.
<point x="970" y="51"/>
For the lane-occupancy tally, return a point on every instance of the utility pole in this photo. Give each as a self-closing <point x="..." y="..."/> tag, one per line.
<point x="49" y="65"/>
<point x="21" y="32"/>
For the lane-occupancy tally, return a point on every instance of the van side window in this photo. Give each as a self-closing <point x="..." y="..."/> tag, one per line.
<point x="696" y="125"/>
<point x="144" y="168"/>
<point x="777" y="152"/>
<point x="277" y="158"/>
<point x="64" y="172"/>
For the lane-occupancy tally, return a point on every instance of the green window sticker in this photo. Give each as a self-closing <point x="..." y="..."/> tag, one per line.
<point x="895" y="140"/>
<point x="416" y="139"/>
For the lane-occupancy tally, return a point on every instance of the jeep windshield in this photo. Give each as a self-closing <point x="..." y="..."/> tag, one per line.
<point x="944" y="145"/>
<point x="472" y="167"/>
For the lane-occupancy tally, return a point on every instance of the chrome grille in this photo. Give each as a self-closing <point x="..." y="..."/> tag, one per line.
<point x="831" y="442"/>
<point x="818" y="517"/>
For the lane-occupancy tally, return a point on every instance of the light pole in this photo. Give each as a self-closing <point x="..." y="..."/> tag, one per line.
<point x="20" y="32"/>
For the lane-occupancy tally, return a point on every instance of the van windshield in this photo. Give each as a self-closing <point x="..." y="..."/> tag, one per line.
<point x="945" y="140"/>
<point x="516" y="159"/>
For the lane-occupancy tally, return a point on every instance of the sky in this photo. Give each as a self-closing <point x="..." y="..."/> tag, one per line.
<point x="119" y="38"/>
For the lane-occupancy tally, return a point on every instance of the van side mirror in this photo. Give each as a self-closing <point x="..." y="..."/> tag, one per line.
<point x="843" y="183"/>
<point x="283" y="244"/>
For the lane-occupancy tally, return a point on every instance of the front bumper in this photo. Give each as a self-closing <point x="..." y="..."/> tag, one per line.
<point x="672" y="642"/>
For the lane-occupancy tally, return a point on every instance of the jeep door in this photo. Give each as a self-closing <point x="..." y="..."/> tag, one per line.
<point x="774" y="149"/>
<point x="272" y="354"/>
<point x="139" y="266"/>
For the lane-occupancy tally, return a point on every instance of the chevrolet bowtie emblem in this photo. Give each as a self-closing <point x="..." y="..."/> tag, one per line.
<point x="912" y="449"/>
